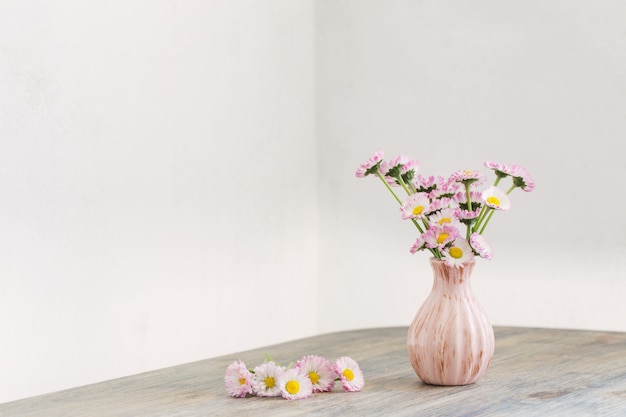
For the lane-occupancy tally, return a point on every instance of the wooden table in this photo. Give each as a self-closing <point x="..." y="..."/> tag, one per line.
<point x="535" y="372"/>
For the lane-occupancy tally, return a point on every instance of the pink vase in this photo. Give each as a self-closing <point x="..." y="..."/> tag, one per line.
<point x="450" y="340"/>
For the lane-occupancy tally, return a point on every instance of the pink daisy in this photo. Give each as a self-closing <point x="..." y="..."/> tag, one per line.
<point x="416" y="206"/>
<point x="411" y="165"/>
<point x="393" y="166"/>
<point x="501" y="170"/>
<point x="238" y="379"/>
<point x="371" y="165"/>
<point x="349" y="373"/>
<point x="461" y="197"/>
<point x="468" y="215"/>
<point x="319" y="370"/>
<point x="522" y="179"/>
<point x="427" y="184"/>
<point x="438" y="204"/>
<point x="266" y="379"/>
<point x="480" y="245"/>
<point x="474" y="178"/>
<point x="448" y="189"/>
<point x="399" y="167"/>
<point x="295" y="385"/>
<point x="420" y="244"/>
<point x="409" y="169"/>
<point x="438" y="236"/>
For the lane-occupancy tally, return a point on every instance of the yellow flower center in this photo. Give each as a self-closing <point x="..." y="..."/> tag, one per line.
<point x="269" y="382"/>
<point x="418" y="210"/>
<point x="348" y="374"/>
<point x="445" y="220"/>
<point x="442" y="238"/>
<point x="314" y="377"/>
<point x="292" y="387"/>
<point x="493" y="200"/>
<point x="456" y="252"/>
<point x="242" y="381"/>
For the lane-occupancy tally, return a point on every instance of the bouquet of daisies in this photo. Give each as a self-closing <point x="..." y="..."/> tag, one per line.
<point x="451" y="214"/>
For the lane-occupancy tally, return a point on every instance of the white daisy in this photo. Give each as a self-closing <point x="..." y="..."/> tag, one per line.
<point x="416" y="206"/>
<point x="266" y="379"/>
<point x="458" y="253"/>
<point x="349" y="373"/>
<point x="294" y="385"/>
<point x="496" y="199"/>
<point x="319" y="370"/>
<point x="445" y="216"/>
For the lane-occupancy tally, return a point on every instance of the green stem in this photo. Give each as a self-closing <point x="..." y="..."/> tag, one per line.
<point x="487" y="221"/>
<point x="469" y="207"/>
<point x="403" y="184"/>
<point x="379" y="175"/>
<point x="434" y="252"/>
<point x="511" y="189"/>
<point x="413" y="190"/>
<point x="481" y="217"/>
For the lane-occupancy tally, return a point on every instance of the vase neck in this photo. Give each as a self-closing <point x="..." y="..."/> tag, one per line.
<point x="449" y="278"/>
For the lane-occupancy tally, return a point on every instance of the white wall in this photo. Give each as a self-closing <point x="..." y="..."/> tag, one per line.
<point x="453" y="84"/>
<point x="160" y="164"/>
<point x="157" y="185"/>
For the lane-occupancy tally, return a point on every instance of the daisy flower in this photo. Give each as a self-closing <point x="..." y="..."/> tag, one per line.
<point x="416" y="206"/>
<point x="266" y="379"/>
<point x="439" y="236"/>
<point x="238" y="379"/>
<point x="448" y="189"/>
<point x="459" y="253"/>
<point x="480" y="245"/>
<point x="501" y="170"/>
<point x="460" y="198"/>
<point x="496" y="198"/>
<point x="349" y="373"/>
<point x="393" y="167"/>
<point x="295" y="385"/>
<point x="371" y="165"/>
<point x="467" y="215"/>
<point x="468" y="177"/>
<point x="319" y="370"/>
<point x="445" y="216"/>
<point x="409" y="169"/>
<point x="522" y="179"/>
<point x="401" y="169"/>
<point x="438" y="204"/>
<point x="427" y="184"/>
<point x="420" y="244"/>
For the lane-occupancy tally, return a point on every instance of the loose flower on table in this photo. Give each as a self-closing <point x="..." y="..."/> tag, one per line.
<point x="319" y="370"/>
<point x="238" y="379"/>
<point x="311" y="374"/>
<point x="349" y="373"/>
<point x="295" y="385"/>
<point x="266" y="378"/>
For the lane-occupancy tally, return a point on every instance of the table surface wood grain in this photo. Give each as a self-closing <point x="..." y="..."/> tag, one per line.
<point x="535" y="372"/>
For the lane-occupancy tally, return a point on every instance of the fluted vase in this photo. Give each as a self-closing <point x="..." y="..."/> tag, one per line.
<point x="450" y="340"/>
